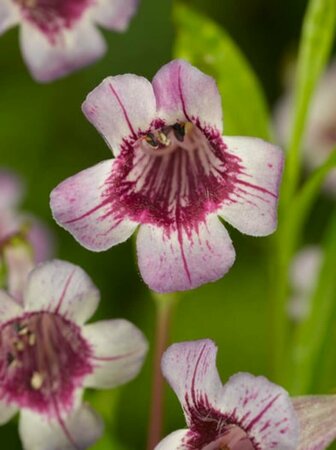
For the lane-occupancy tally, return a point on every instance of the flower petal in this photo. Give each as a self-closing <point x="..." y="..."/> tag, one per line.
<point x="120" y="107"/>
<point x="80" y="430"/>
<point x="63" y="288"/>
<point x="174" y="441"/>
<point x="252" y="209"/>
<point x="8" y="307"/>
<point x="82" y="206"/>
<point x="262" y="409"/>
<point x="184" y="259"/>
<point x="305" y="268"/>
<point x="8" y="15"/>
<point x="184" y="93"/>
<point x="7" y="412"/>
<point x="119" y="351"/>
<point x="190" y="368"/>
<point x="115" y="15"/>
<point x="10" y="187"/>
<point x="74" y="49"/>
<point x="317" y="419"/>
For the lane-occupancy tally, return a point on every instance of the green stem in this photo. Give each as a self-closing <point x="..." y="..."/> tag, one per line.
<point x="164" y="311"/>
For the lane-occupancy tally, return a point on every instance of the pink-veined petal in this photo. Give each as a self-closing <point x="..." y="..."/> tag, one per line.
<point x="190" y="368"/>
<point x="115" y="15"/>
<point x="81" y="205"/>
<point x="317" y="419"/>
<point x="74" y="49"/>
<point x="252" y="208"/>
<point x="8" y="307"/>
<point x="61" y="287"/>
<point x="185" y="93"/>
<point x="174" y="441"/>
<point x="9" y="15"/>
<point x="183" y="260"/>
<point x="119" y="349"/>
<point x="7" y="412"/>
<point x="262" y="409"/>
<point x="10" y="188"/>
<point x="120" y="107"/>
<point x="80" y="430"/>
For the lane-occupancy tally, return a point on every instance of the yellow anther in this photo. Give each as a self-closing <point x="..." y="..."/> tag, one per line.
<point x="36" y="381"/>
<point x="19" y="345"/>
<point x="32" y="339"/>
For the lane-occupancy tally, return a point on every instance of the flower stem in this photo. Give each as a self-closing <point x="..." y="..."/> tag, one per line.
<point x="164" y="311"/>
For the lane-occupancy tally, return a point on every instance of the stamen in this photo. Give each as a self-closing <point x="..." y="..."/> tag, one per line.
<point x="32" y="339"/>
<point x="163" y="139"/>
<point x="37" y="381"/>
<point x="19" y="345"/>
<point x="179" y="131"/>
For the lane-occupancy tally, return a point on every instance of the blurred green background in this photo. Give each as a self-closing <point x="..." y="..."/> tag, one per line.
<point x="45" y="138"/>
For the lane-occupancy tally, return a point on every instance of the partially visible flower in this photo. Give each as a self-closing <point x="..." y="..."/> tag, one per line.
<point x="320" y="137"/>
<point x="24" y="240"/>
<point x="304" y="273"/>
<point x="47" y="357"/>
<point x="60" y="36"/>
<point x="247" y="413"/>
<point x="173" y="174"/>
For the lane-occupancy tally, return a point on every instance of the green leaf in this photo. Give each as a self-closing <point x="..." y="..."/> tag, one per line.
<point x="311" y="333"/>
<point x="316" y="43"/>
<point x="207" y="46"/>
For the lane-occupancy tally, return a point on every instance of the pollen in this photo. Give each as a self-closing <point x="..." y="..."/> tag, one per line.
<point x="36" y="381"/>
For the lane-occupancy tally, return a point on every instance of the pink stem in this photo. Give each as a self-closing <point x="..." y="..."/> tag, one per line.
<point x="164" y="311"/>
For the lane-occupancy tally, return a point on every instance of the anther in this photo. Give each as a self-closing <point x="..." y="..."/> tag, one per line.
<point x="150" y="139"/>
<point x="32" y="339"/>
<point x="36" y="381"/>
<point x="179" y="131"/>
<point x="163" y="139"/>
<point x="19" y="345"/>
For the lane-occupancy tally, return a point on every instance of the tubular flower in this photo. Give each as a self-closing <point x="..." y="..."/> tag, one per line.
<point x="320" y="136"/>
<point x="173" y="174"/>
<point x="59" y="36"/>
<point x="13" y="222"/>
<point x="47" y="357"/>
<point x="247" y="413"/>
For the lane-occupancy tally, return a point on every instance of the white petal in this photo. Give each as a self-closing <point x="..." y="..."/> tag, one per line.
<point x="84" y="205"/>
<point x="74" y="49"/>
<point x="9" y="15"/>
<point x="263" y="410"/>
<point x="185" y="93"/>
<point x="305" y="268"/>
<point x="7" y="412"/>
<point x="190" y="368"/>
<point x="317" y="419"/>
<point x="120" y="107"/>
<point x="252" y="207"/>
<point x="61" y="287"/>
<point x="186" y="258"/>
<point x="78" y="431"/>
<point x="174" y="441"/>
<point x="115" y="15"/>
<point x="8" y="307"/>
<point x="119" y="351"/>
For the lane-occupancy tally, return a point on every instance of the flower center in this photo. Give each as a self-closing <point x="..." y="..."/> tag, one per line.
<point x="53" y="16"/>
<point x="43" y="359"/>
<point x="234" y="438"/>
<point x="173" y="176"/>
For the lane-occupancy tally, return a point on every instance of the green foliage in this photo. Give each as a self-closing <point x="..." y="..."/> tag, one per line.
<point x="207" y="46"/>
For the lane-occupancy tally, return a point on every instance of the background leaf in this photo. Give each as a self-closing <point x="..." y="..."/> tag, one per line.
<point x="207" y="46"/>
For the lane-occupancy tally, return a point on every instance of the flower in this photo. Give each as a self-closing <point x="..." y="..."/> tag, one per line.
<point x="47" y="357"/>
<point x="173" y="174"/>
<point x="24" y="240"/>
<point x="60" y="36"/>
<point x="247" y="413"/>
<point x="320" y="135"/>
<point x="304" y="273"/>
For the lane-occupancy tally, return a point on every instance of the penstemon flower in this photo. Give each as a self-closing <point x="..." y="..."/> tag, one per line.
<point x="59" y="36"/>
<point x="47" y="357"/>
<point x="173" y="174"/>
<point x="247" y="413"/>
<point x="304" y="273"/>
<point x="320" y="137"/>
